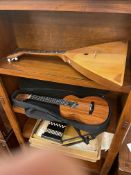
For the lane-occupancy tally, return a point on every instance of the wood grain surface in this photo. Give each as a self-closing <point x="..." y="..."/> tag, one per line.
<point x="97" y="62"/>
<point x="66" y="31"/>
<point x="55" y="70"/>
<point x="63" y="31"/>
<point x="81" y="112"/>
<point x="112" y="6"/>
<point x="10" y="114"/>
<point x="103" y="63"/>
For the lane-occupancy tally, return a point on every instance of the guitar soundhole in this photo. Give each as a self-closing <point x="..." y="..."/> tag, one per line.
<point x="91" y="108"/>
<point x="85" y="53"/>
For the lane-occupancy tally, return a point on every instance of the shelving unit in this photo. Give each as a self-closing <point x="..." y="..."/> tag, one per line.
<point x="62" y="25"/>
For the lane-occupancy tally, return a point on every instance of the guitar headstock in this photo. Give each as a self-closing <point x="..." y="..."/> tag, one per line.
<point x="22" y="97"/>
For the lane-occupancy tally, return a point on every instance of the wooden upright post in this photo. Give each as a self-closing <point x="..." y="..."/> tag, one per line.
<point x="122" y="128"/>
<point x="9" y="113"/>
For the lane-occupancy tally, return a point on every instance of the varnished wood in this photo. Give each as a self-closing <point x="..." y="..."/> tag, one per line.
<point x="10" y="114"/>
<point x="7" y="44"/>
<point x="28" y="32"/>
<point x="39" y="69"/>
<point x="116" y="6"/>
<point x="66" y="31"/>
<point x="99" y="62"/>
<point x="122" y="128"/>
<point x="21" y="52"/>
<point x="81" y="112"/>
<point x="96" y="62"/>
<point x="49" y="69"/>
<point x="113" y="98"/>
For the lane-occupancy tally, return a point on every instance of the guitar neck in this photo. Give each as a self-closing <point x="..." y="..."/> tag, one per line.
<point x="33" y="51"/>
<point x="19" y="52"/>
<point x="50" y="100"/>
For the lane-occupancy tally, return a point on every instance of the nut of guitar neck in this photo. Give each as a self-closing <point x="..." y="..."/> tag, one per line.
<point x="22" y="97"/>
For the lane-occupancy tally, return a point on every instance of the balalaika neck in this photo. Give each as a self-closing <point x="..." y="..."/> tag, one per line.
<point x="51" y="100"/>
<point x="34" y="51"/>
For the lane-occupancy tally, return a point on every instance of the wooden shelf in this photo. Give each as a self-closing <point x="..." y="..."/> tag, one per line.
<point x="62" y="25"/>
<point x="113" y="6"/>
<point x="53" y="69"/>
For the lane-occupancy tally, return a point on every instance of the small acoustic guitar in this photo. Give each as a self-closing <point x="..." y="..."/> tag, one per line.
<point x="91" y="110"/>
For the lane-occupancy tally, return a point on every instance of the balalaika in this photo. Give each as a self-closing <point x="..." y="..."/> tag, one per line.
<point x="97" y="62"/>
<point x="91" y="110"/>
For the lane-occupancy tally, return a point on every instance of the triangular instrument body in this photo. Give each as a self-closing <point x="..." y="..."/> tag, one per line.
<point x="103" y="63"/>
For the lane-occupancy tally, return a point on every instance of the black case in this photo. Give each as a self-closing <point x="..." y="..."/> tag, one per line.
<point x="51" y="112"/>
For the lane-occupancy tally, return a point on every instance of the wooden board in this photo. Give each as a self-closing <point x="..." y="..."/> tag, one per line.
<point x="103" y="63"/>
<point x="112" y="6"/>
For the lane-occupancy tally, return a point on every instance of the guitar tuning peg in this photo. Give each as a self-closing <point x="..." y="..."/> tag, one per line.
<point x="9" y="60"/>
<point x="16" y="58"/>
<point x="12" y="59"/>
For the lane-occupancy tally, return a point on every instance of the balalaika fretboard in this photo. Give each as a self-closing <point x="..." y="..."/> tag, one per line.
<point x="51" y="100"/>
<point x="31" y="51"/>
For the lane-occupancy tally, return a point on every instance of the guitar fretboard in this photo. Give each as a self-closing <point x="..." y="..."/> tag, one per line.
<point x="31" y="51"/>
<point x="53" y="100"/>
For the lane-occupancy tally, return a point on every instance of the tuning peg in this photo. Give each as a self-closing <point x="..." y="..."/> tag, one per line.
<point x="12" y="59"/>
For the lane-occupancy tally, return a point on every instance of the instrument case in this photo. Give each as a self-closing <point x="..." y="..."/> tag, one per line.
<point x="38" y="110"/>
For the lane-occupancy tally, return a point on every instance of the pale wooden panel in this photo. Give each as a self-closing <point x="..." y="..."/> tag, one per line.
<point x="112" y="6"/>
<point x="103" y="63"/>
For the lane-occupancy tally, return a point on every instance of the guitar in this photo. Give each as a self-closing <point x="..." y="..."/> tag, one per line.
<point x="91" y="110"/>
